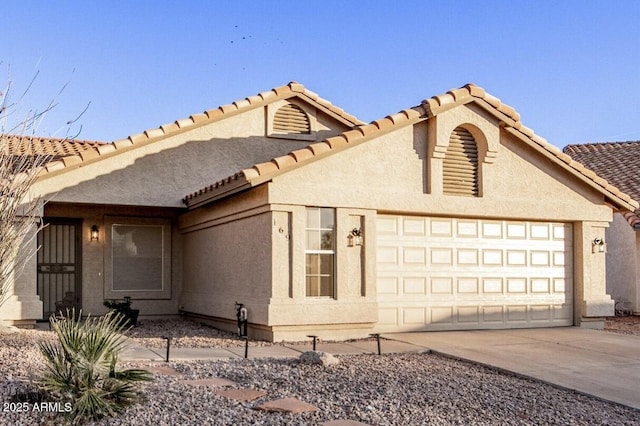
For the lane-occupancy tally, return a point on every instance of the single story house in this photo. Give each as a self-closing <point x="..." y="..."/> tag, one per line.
<point x="448" y="215"/>
<point x="617" y="162"/>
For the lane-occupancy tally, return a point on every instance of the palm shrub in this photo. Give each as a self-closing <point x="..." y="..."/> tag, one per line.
<point x="81" y="367"/>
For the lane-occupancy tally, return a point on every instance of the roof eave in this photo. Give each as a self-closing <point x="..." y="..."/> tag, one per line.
<point x="193" y="202"/>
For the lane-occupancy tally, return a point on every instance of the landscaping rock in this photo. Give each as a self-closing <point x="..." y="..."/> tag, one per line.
<point x="214" y="382"/>
<point x="243" y="395"/>
<point x="376" y="390"/>
<point x="319" y="358"/>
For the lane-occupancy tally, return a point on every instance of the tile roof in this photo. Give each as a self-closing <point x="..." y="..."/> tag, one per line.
<point x="617" y="162"/>
<point x="264" y="172"/>
<point x="196" y="120"/>
<point x="55" y="148"/>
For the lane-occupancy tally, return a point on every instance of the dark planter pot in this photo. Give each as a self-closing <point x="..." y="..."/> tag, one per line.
<point x="132" y="317"/>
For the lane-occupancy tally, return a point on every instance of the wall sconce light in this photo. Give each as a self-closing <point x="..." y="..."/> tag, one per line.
<point x="95" y="233"/>
<point x="598" y="246"/>
<point x="355" y="238"/>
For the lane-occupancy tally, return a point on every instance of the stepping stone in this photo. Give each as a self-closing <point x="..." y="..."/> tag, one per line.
<point x="344" y="423"/>
<point x="287" y="405"/>
<point x="168" y="371"/>
<point x="214" y="381"/>
<point x="243" y="395"/>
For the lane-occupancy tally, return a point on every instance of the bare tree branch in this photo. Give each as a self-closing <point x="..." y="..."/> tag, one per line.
<point x="21" y="161"/>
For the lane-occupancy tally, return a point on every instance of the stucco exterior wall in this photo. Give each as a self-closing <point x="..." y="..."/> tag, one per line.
<point x="391" y="173"/>
<point x="162" y="172"/>
<point x="23" y="307"/>
<point x="244" y="250"/>
<point x="622" y="263"/>
<point x="227" y="263"/>
<point x="397" y="173"/>
<point x="353" y="310"/>
<point x="159" y="172"/>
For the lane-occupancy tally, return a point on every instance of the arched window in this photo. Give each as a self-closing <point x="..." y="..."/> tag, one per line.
<point x="460" y="166"/>
<point x="291" y="119"/>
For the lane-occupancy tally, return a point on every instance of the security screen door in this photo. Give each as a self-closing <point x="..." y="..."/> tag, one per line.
<point x="59" y="265"/>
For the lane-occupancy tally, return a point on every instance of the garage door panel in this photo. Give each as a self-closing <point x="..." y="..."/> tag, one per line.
<point x="468" y="315"/>
<point x="387" y="286"/>
<point x="464" y="273"/>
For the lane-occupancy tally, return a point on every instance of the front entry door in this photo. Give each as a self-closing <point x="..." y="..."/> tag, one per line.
<point x="59" y="274"/>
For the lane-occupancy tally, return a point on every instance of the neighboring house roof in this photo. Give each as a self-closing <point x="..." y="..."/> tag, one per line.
<point x="34" y="146"/>
<point x="617" y="162"/>
<point x="264" y="172"/>
<point x="194" y="121"/>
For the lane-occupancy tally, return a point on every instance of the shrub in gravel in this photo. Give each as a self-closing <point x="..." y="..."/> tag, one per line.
<point x="80" y="369"/>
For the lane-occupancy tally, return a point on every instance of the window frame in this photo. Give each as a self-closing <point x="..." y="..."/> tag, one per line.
<point x="319" y="250"/>
<point x="112" y="293"/>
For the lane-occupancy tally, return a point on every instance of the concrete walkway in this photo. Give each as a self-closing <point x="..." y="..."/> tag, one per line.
<point x="602" y="364"/>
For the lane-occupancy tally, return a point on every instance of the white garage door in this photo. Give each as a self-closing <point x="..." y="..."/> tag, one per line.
<point x="455" y="274"/>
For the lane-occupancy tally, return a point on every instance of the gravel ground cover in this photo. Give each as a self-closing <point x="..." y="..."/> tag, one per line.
<point x="407" y="389"/>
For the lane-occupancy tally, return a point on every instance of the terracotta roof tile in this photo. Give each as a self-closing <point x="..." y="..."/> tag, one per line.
<point x="284" y="161"/>
<point x="137" y="138"/>
<point x="633" y="219"/>
<point x="56" y="148"/>
<point x="123" y="143"/>
<point x="615" y="162"/>
<point x="353" y="135"/>
<point x="302" y="154"/>
<point x="185" y="122"/>
<point x="154" y="133"/>
<point x="429" y="108"/>
<point x="71" y="160"/>
<point x="170" y="127"/>
<point x="337" y="141"/>
<point x="149" y="135"/>
<point x="267" y="167"/>
<point x="54" y="165"/>
<point x="251" y="173"/>
<point x="106" y="149"/>
<point x="196" y="118"/>
<point x="384" y="124"/>
<point x="319" y="147"/>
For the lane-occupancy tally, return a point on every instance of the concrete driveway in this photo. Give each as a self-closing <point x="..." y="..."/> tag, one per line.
<point x="603" y="364"/>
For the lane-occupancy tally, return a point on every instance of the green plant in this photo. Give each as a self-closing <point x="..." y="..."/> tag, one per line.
<point x="81" y="367"/>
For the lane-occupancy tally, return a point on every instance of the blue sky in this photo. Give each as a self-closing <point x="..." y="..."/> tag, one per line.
<point x="570" y="68"/>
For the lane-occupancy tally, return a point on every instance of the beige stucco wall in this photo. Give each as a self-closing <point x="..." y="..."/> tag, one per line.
<point x="22" y="306"/>
<point x="244" y="250"/>
<point x="391" y="173"/>
<point x="226" y="262"/>
<point x="622" y="263"/>
<point x="398" y="173"/>
<point x="157" y="173"/>
<point x="163" y="172"/>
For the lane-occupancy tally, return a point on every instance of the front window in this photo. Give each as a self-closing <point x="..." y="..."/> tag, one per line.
<point x="137" y="257"/>
<point x="320" y="252"/>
